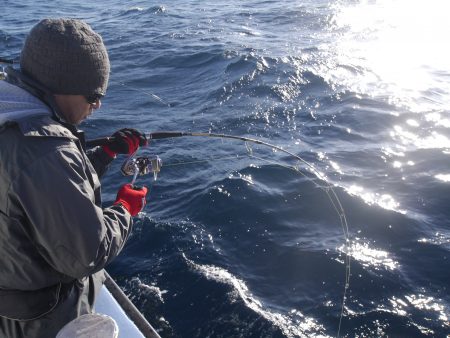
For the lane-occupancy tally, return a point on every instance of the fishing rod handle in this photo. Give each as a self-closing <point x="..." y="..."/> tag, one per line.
<point x="98" y="142"/>
<point x="6" y="61"/>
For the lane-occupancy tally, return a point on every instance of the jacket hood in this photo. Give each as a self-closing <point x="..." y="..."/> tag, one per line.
<point x="16" y="104"/>
<point x="34" y="117"/>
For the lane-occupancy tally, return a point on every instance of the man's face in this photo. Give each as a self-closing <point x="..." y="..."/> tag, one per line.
<point x="75" y="108"/>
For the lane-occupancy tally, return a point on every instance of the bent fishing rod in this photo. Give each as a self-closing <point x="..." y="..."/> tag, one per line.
<point x="143" y="165"/>
<point x="146" y="165"/>
<point x="173" y="134"/>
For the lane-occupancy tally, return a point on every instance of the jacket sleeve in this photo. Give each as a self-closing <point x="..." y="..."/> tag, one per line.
<point x="73" y="234"/>
<point x="99" y="159"/>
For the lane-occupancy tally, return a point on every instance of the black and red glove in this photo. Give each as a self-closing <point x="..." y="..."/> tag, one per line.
<point x="125" y="141"/>
<point x="132" y="198"/>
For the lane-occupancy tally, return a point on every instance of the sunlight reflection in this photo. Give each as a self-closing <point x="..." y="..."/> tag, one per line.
<point x="391" y="152"/>
<point x="246" y="178"/>
<point x="413" y="123"/>
<point x="385" y="201"/>
<point x="422" y="302"/>
<point x="336" y="167"/>
<point x="397" y="164"/>
<point x="438" y="119"/>
<point x="369" y="257"/>
<point x="433" y="141"/>
<point x="437" y="239"/>
<point x="399" y="47"/>
<point x="404" y="306"/>
<point x="443" y="177"/>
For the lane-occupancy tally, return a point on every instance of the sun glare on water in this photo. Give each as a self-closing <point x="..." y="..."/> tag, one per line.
<point x="401" y="47"/>
<point x="395" y="52"/>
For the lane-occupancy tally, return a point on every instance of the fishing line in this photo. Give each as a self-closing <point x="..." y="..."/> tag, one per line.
<point x="146" y="92"/>
<point x="327" y="187"/>
<point x="336" y="203"/>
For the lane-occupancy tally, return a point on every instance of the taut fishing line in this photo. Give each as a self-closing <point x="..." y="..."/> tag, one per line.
<point x="146" y="92"/>
<point x="326" y="187"/>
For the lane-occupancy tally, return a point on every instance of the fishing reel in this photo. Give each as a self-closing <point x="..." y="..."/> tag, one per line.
<point x="141" y="165"/>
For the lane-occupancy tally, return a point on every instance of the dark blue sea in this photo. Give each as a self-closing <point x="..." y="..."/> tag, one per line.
<point x="236" y="243"/>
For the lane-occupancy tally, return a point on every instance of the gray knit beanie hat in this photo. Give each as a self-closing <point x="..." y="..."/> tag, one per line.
<point x="67" y="57"/>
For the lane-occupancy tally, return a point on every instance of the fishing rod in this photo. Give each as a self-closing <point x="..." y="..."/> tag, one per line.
<point x="143" y="165"/>
<point x="7" y="61"/>
<point x="146" y="165"/>
<point x="173" y="134"/>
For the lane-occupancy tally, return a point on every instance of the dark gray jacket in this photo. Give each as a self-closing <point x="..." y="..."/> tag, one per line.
<point x="53" y="229"/>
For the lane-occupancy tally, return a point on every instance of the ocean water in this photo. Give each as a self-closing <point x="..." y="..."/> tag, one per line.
<point x="235" y="243"/>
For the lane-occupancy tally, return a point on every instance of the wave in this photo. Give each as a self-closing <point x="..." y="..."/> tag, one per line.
<point x="186" y="60"/>
<point x="138" y="11"/>
<point x="292" y="324"/>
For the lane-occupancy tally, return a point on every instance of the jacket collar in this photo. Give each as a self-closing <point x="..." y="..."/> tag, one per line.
<point x="45" y="126"/>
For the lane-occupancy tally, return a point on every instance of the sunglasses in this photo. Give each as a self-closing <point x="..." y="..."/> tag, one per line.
<point x="92" y="99"/>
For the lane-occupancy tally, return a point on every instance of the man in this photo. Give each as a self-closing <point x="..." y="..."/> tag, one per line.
<point x="55" y="238"/>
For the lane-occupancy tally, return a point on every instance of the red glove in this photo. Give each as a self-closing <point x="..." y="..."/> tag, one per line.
<point x="125" y="141"/>
<point x="133" y="199"/>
